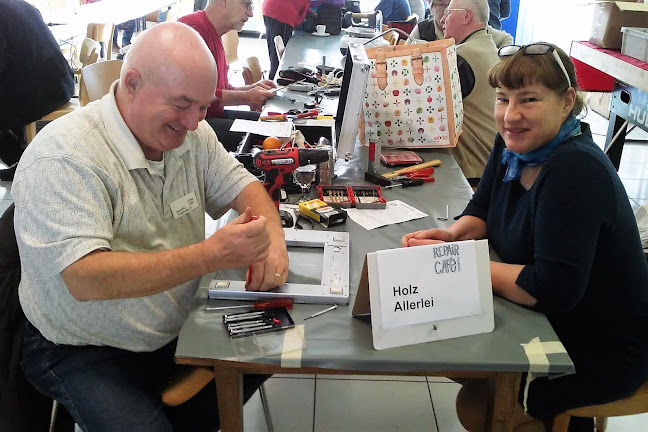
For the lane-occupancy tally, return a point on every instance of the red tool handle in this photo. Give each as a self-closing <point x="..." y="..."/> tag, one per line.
<point x="311" y="113"/>
<point x="287" y="303"/>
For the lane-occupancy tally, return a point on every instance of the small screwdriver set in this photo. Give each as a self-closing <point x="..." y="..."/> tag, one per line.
<point x="362" y="197"/>
<point x="257" y="322"/>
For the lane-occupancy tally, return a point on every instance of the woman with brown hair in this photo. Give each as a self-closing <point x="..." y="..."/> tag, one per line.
<point x="553" y="207"/>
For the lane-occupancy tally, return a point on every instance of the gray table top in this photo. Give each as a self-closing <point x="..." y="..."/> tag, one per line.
<point x="336" y="340"/>
<point x="306" y="50"/>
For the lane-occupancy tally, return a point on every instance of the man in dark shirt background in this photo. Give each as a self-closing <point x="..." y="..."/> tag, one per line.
<point x="35" y="77"/>
<point x="499" y="9"/>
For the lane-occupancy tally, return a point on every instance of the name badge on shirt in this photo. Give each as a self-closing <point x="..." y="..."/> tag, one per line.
<point x="184" y="205"/>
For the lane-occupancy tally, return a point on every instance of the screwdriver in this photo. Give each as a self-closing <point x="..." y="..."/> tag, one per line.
<point x="287" y="303"/>
<point x="407" y="183"/>
<point x="249" y="276"/>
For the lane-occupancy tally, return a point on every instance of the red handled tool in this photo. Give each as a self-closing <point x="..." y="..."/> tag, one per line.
<point x="292" y="114"/>
<point x="424" y="174"/>
<point x="249" y="277"/>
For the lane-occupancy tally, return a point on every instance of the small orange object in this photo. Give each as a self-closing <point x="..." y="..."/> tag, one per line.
<point x="272" y="143"/>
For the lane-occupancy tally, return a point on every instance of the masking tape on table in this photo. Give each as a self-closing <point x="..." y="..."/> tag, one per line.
<point x="293" y="346"/>
<point x="536" y="353"/>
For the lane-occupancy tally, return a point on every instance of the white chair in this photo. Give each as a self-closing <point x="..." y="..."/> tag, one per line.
<point x="96" y="80"/>
<point x="252" y="70"/>
<point x="230" y="45"/>
<point x="279" y="46"/>
<point x="103" y="34"/>
<point x="88" y="54"/>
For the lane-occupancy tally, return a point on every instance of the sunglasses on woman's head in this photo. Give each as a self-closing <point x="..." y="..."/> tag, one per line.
<point x="535" y="49"/>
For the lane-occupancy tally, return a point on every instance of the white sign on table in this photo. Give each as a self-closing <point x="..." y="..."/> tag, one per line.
<point x="426" y="293"/>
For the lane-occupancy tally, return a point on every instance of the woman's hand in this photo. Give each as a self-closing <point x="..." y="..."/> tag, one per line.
<point x="425" y="237"/>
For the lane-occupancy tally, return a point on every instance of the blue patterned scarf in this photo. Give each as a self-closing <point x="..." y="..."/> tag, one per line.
<point x="517" y="161"/>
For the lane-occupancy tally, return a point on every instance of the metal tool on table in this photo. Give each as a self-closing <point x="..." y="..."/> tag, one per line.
<point x="407" y="183"/>
<point x="447" y="214"/>
<point x="256" y="322"/>
<point x="316" y="314"/>
<point x="257" y="306"/>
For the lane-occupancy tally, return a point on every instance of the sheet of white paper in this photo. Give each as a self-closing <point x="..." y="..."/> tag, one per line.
<point x="428" y="283"/>
<point x="278" y="129"/>
<point x="321" y="122"/>
<point x="395" y="212"/>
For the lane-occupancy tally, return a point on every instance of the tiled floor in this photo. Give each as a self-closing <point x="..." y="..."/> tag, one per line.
<point x="358" y="404"/>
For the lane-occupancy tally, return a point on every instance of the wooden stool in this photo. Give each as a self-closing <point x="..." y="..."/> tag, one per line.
<point x="187" y="384"/>
<point x="635" y="404"/>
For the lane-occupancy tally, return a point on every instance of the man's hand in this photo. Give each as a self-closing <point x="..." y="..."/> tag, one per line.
<point x="265" y="84"/>
<point x="425" y="237"/>
<point x="257" y="96"/>
<point x="242" y="242"/>
<point x="273" y="271"/>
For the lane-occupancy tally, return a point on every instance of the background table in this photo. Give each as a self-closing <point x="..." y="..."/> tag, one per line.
<point x="629" y="94"/>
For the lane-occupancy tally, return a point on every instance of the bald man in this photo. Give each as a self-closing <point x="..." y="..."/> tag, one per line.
<point x="110" y="204"/>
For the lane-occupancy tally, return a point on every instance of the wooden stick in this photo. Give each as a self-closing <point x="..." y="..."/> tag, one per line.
<point x="433" y="163"/>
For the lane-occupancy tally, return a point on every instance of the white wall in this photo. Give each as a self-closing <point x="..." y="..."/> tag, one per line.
<point x="556" y="21"/>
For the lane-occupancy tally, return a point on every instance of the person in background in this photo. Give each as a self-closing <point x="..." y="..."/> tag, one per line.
<point x="553" y="207"/>
<point x="417" y="7"/>
<point x="394" y="10"/>
<point x="128" y="29"/>
<point x="431" y="28"/>
<point x="112" y="259"/>
<point x="499" y="9"/>
<point x="218" y="18"/>
<point x="199" y="5"/>
<point x="35" y="77"/>
<point x="281" y="18"/>
<point x="465" y="21"/>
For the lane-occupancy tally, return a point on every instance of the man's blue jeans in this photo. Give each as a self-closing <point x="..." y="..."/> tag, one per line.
<point x="110" y="389"/>
<point x="129" y="28"/>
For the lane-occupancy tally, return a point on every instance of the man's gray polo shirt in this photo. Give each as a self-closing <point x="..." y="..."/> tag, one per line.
<point x="84" y="184"/>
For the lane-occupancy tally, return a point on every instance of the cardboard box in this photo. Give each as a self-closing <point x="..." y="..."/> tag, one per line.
<point x="610" y="16"/>
<point x="599" y="102"/>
